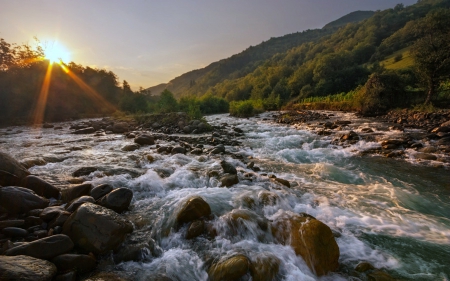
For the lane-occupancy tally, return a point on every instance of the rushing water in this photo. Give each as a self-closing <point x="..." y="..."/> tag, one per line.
<point x="391" y="213"/>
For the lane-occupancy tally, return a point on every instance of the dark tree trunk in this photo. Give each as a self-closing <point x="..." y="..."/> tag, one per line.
<point x="431" y="90"/>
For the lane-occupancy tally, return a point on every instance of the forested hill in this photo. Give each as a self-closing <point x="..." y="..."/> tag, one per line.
<point x="350" y="18"/>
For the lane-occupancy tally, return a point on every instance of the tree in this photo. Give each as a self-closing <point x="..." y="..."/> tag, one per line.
<point x="431" y="52"/>
<point x="167" y="102"/>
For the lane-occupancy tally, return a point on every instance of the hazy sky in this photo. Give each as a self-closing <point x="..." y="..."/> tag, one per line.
<point x="148" y="42"/>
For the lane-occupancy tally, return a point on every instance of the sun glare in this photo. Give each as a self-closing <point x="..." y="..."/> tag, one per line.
<point x="56" y="52"/>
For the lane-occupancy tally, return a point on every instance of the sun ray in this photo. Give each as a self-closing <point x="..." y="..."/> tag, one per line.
<point x="42" y="99"/>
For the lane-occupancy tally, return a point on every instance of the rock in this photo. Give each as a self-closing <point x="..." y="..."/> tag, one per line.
<point x="228" y="168"/>
<point x="69" y="276"/>
<point x="88" y="130"/>
<point x="268" y="198"/>
<point x="145" y="140"/>
<point x="425" y="156"/>
<point x="132" y="252"/>
<point x="117" y="200"/>
<point x="14" y="232"/>
<point x="96" y="229"/>
<point x="47" y="126"/>
<point x="264" y="266"/>
<point x="84" y="171"/>
<point x="41" y="187"/>
<point x="178" y="150"/>
<point x="218" y="149"/>
<point x="379" y="275"/>
<point x="310" y="238"/>
<point x="363" y="267"/>
<point x="78" y="202"/>
<point x="45" y="248"/>
<point x="10" y="165"/>
<point x="60" y="220"/>
<point x="164" y="149"/>
<point x="193" y="209"/>
<point x="229" y="180"/>
<point x="195" y="229"/>
<point x="71" y="193"/>
<point x="441" y="129"/>
<point x="131" y="147"/>
<point x="11" y="223"/>
<point x="33" y="221"/>
<point x="350" y="136"/>
<point x="236" y="217"/>
<point x="50" y="213"/>
<point x="112" y="276"/>
<point x="230" y="268"/>
<point x="8" y="179"/>
<point x="197" y="151"/>
<point x="26" y="268"/>
<point x="30" y="162"/>
<point x="18" y="200"/>
<point x="78" y="263"/>
<point x="283" y="182"/>
<point x="120" y="128"/>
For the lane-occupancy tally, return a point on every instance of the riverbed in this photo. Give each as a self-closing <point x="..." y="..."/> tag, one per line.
<point x="392" y="213"/>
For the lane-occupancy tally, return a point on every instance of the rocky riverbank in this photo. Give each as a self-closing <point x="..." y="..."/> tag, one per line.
<point x="411" y="135"/>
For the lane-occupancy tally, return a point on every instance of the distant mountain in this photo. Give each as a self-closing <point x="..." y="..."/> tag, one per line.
<point x="200" y="80"/>
<point x="350" y="18"/>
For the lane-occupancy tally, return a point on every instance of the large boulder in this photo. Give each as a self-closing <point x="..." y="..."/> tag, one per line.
<point x="96" y="229"/>
<point x="8" y="179"/>
<point x="144" y="140"/>
<point x="101" y="190"/>
<point x="229" y="268"/>
<point x="78" y="202"/>
<point x="18" y="200"/>
<point x="264" y="266"/>
<point x="194" y="208"/>
<point x="79" y="263"/>
<point x="45" y="248"/>
<point x="120" y="128"/>
<point x="26" y="268"/>
<point x="310" y="238"/>
<point x="41" y="187"/>
<point x="117" y="200"/>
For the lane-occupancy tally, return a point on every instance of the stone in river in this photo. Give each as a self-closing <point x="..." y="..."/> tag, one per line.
<point x="10" y="165"/>
<point x="45" y="248"/>
<point x="80" y="263"/>
<point x="25" y="268"/>
<point x="228" y="168"/>
<point x="145" y="140"/>
<point x="194" y="208"/>
<point x="100" y="191"/>
<point x="230" y="268"/>
<point x="41" y="187"/>
<point x="96" y="229"/>
<point x="18" y="200"/>
<point x="14" y="232"/>
<point x="229" y="180"/>
<point x="78" y="202"/>
<point x="73" y="192"/>
<point x="117" y="200"/>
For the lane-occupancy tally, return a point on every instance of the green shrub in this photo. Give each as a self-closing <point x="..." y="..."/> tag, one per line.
<point x="242" y="108"/>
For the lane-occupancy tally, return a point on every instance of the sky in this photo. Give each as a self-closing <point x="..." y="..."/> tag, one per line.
<point x="148" y="42"/>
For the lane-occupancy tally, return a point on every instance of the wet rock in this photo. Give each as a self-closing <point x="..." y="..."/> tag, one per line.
<point x="351" y="136"/>
<point x="11" y="166"/>
<point x="120" y="128"/>
<point x="28" y="163"/>
<point x="88" y="130"/>
<point x="26" y="268"/>
<point x="425" y="156"/>
<point x="197" y="151"/>
<point x="268" y="198"/>
<point x="164" y="172"/>
<point x="96" y="229"/>
<point x="71" y="193"/>
<point x="78" y="263"/>
<point x="11" y="223"/>
<point x="282" y="181"/>
<point x="78" y="202"/>
<point x="236" y="217"/>
<point x="441" y="129"/>
<point x="18" y="200"/>
<point x="117" y="200"/>
<point x="264" y="266"/>
<point x="228" y="168"/>
<point x="109" y="276"/>
<point x="14" y="232"/>
<point x="178" y="150"/>
<point x="229" y="268"/>
<point x="59" y="220"/>
<point x="131" y="147"/>
<point x="50" y="213"/>
<point x="41" y="187"/>
<point x="45" y="248"/>
<point x="195" y="229"/>
<point x="218" y="149"/>
<point x="229" y="180"/>
<point x="84" y="171"/>
<point x="363" y="267"/>
<point x="164" y="149"/>
<point x="193" y="209"/>
<point x="33" y="221"/>
<point x="379" y="275"/>
<point x="8" y="179"/>
<point x="100" y="191"/>
<point x="342" y="122"/>
<point x="310" y="238"/>
<point x="145" y="140"/>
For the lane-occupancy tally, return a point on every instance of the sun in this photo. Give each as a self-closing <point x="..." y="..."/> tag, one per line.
<point x="55" y="52"/>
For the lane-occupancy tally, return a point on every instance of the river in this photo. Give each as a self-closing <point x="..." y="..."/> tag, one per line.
<point x="392" y="213"/>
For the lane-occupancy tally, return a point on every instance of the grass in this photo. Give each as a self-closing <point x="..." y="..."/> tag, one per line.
<point x="405" y="62"/>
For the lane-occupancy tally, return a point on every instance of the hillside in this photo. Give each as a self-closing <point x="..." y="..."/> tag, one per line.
<point x="239" y="65"/>
<point x="350" y="18"/>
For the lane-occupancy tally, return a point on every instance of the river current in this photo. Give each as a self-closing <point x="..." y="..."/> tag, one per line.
<point x="392" y="213"/>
